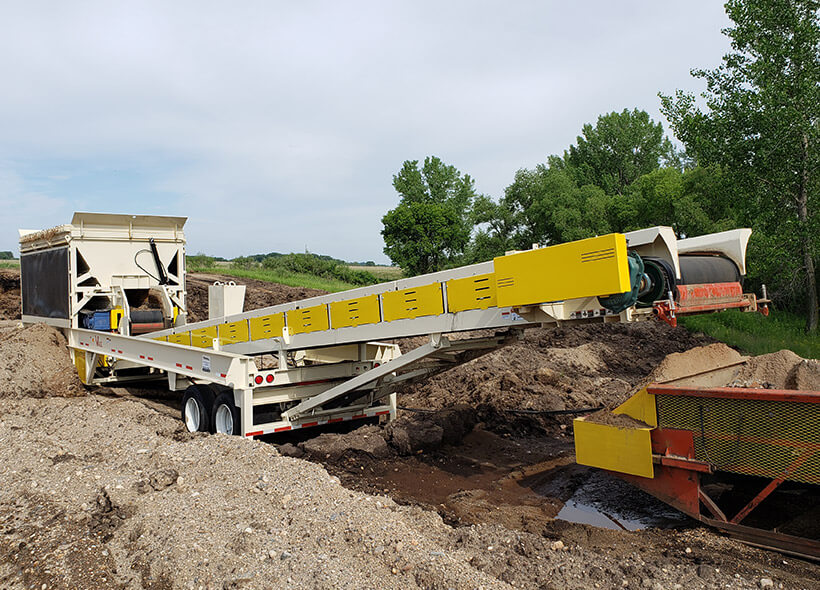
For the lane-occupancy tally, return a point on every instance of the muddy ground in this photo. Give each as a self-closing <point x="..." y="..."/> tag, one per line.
<point x="107" y="490"/>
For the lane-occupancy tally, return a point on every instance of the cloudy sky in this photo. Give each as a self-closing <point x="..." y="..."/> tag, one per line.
<point x="277" y="126"/>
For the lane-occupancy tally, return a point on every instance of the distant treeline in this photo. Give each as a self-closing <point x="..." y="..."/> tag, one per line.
<point x="310" y="264"/>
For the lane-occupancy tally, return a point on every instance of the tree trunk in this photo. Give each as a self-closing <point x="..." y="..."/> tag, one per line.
<point x="807" y="245"/>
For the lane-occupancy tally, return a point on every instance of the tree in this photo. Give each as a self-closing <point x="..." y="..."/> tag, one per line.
<point x="430" y="228"/>
<point x="6" y="255"/>
<point x="761" y="126"/>
<point x="550" y="208"/>
<point x="691" y="202"/>
<point x="617" y="150"/>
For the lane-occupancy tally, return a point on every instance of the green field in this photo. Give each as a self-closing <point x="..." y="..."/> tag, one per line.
<point x="9" y="264"/>
<point x="757" y="334"/>
<point x="292" y="279"/>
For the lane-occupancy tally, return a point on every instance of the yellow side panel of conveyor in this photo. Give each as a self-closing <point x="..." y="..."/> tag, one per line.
<point x="586" y="268"/>
<point x="308" y="319"/>
<point x="204" y="337"/>
<point x="413" y="303"/>
<point x="355" y="312"/>
<point x="233" y="332"/>
<point x="625" y="450"/>
<point x="476" y="292"/>
<point x="183" y="338"/>
<point x="267" y="326"/>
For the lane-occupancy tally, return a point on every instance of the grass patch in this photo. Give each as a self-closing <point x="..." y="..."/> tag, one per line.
<point x="292" y="279"/>
<point x="9" y="264"/>
<point x="383" y="273"/>
<point x="756" y="334"/>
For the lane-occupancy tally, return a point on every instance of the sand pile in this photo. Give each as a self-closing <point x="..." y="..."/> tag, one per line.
<point x="778" y="370"/>
<point x="34" y="362"/>
<point x="696" y="360"/>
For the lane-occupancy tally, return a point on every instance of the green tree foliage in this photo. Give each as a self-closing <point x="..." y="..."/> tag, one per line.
<point x="6" y="255"/>
<point x="549" y="207"/>
<point x="691" y="202"/>
<point x="198" y="261"/>
<point x="617" y="150"/>
<point x="243" y="262"/>
<point x="609" y="182"/>
<point x="430" y="228"/>
<point x="320" y="266"/>
<point x="761" y="126"/>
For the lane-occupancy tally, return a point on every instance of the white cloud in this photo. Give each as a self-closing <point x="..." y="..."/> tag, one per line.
<point x="288" y="120"/>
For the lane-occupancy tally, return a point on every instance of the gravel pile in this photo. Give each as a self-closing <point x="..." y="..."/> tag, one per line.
<point x="105" y="492"/>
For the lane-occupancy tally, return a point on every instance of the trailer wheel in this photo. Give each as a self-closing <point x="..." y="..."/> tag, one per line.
<point x="225" y="414"/>
<point x="196" y="404"/>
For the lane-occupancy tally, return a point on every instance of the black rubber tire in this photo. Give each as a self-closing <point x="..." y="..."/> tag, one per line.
<point x="226" y="398"/>
<point x="203" y="396"/>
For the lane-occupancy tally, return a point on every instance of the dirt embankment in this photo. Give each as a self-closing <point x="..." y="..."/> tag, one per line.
<point x="9" y="294"/>
<point x="586" y="366"/>
<point x="34" y="362"/>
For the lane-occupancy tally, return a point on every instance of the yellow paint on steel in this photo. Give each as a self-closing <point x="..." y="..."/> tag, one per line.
<point x="204" y="337"/>
<point x="308" y="319"/>
<point x="413" y="303"/>
<point x="79" y="362"/>
<point x="116" y="317"/>
<point x="161" y="338"/>
<point x="640" y="406"/>
<point x="267" y="326"/>
<point x="233" y="332"/>
<point x="181" y="338"/>
<point x="625" y="450"/>
<point x="477" y="292"/>
<point x="586" y="268"/>
<point x="355" y="312"/>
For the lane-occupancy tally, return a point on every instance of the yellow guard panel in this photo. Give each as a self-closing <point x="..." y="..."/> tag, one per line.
<point x="233" y="332"/>
<point x="79" y="362"/>
<point x="267" y="326"/>
<point x="625" y="450"/>
<point x="308" y="319"/>
<point x="203" y="337"/>
<point x="586" y="268"/>
<point x="412" y="303"/>
<point x="476" y="292"/>
<point x="354" y="312"/>
<point x="183" y="338"/>
<point x="640" y="406"/>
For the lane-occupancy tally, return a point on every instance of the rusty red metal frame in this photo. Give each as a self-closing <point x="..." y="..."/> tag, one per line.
<point x="678" y="474"/>
<point x="777" y="395"/>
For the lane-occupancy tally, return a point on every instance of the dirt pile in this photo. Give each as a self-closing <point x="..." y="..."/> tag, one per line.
<point x="330" y="446"/>
<point x="409" y="434"/>
<point x="9" y="294"/>
<point x="780" y="370"/>
<point x="258" y="294"/>
<point x="552" y="369"/>
<point x="34" y="362"/>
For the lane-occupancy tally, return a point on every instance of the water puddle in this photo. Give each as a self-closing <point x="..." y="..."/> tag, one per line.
<point x="581" y="513"/>
<point x="609" y="503"/>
